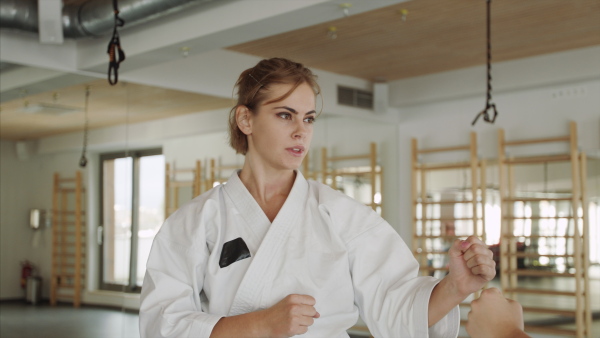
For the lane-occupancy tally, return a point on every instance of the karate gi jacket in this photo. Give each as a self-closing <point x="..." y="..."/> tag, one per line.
<point x="219" y="255"/>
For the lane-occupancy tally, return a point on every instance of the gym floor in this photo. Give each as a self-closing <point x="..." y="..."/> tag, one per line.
<point x="19" y="319"/>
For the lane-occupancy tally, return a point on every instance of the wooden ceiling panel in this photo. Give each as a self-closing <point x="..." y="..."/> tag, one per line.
<point x="108" y="106"/>
<point x="437" y="36"/>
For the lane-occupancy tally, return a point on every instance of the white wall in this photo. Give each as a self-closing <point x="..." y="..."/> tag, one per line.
<point x="27" y="184"/>
<point x="522" y="74"/>
<point x="15" y="236"/>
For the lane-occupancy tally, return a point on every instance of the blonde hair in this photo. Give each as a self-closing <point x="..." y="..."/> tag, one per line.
<point x="253" y="86"/>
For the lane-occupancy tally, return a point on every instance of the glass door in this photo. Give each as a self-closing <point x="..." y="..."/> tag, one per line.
<point x="132" y="213"/>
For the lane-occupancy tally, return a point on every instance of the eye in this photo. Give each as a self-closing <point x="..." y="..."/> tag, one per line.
<point x="285" y="116"/>
<point x="310" y="119"/>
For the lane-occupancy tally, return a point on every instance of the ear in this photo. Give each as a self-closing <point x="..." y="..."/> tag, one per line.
<point x="243" y="117"/>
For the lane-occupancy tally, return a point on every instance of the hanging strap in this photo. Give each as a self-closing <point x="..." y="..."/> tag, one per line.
<point x="116" y="55"/>
<point x="488" y="104"/>
<point x="83" y="160"/>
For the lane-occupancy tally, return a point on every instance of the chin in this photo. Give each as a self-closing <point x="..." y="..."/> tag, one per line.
<point x="291" y="165"/>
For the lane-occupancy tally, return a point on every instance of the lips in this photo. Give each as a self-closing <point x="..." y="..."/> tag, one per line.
<point x="296" y="151"/>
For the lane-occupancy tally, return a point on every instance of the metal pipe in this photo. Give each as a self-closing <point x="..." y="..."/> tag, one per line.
<point x="19" y="15"/>
<point x="90" y="18"/>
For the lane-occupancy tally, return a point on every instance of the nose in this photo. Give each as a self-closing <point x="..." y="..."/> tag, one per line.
<point x="300" y="131"/>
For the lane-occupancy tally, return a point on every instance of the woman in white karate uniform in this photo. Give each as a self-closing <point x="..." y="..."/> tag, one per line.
<point x="270" y="254"/>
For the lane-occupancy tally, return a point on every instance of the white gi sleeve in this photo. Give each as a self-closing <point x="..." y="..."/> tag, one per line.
<point x="391" y="299"/>
<point x="170" y="299"/>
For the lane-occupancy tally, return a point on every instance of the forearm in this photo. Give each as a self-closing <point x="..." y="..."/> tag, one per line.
<point x="444" y="298"/>
<point x="246" y="325"/>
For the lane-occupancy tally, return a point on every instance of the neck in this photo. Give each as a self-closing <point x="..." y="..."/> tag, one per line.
<point x="266" y="184"/>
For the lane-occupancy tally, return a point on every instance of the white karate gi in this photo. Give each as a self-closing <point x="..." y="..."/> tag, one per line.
<point x="322" y="243"/>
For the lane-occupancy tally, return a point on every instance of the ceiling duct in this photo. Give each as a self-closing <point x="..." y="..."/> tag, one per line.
<point x="90" y="18"/>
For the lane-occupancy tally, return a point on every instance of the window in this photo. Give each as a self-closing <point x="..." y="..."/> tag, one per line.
<point x="133" y="200"/>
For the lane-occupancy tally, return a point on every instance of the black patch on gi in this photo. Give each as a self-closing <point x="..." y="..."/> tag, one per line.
<point x="233" y="251"/>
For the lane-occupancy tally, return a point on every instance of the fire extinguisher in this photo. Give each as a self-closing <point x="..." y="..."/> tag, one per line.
<point x="26" y="271"/>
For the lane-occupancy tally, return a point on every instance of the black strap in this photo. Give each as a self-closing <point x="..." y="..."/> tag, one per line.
<point x="488" y="103"/>
<point x="116" y="55"/>
<point x="118" y="21"/>
<point x="83" y="160"/>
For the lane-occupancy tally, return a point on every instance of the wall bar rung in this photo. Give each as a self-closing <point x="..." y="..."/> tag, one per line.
<point x="539" y="217"/>
<point x="443" y="202"/>
<point x="542" y="292"/>
<point x="541" y="273"/>
<point x="445" y="219"/>
<point x="533" y="199"/>
<point x="567" y="313"/>
<point x="532" y="254"/>
<point x="437" y="150"/>
<point x="348" y="158"/>
<point x="538" y="236"/>
<point x="181" y="184"/>
<point x="549" y="330"/>
<point x="182" y="171"/>
<point x="461" y="165"/>
<point x="540" y="140"/>
<point x="441" y="236"/>
<point x="538" y="159"/>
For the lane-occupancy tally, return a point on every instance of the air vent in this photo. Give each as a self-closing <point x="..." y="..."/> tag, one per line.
<point x="355" y="97"/>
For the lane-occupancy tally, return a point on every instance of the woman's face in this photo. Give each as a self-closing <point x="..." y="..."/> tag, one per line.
<point x="280" y="132"/>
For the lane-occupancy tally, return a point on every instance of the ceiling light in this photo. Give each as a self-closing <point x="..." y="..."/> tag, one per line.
<point x="404" y="13"/>
<point x="49" y="109"/>
<point x="346" y="8"/>
<point x="185" y="51"/>
<point x="332" y="32"/>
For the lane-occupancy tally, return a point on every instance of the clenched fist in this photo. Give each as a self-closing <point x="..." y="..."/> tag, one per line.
<point x="291" y="316"/>
<point x="471" y="265"/>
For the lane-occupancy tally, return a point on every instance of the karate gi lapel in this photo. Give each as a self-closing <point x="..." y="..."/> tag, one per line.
<point x="248" y="295"/>
<point x="254" y="218"/>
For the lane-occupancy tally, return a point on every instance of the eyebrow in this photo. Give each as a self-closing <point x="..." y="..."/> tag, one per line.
<point x="292" y="110"/>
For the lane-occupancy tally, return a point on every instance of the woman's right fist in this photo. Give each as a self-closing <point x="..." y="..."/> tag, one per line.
<point x="290" y="316"/>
